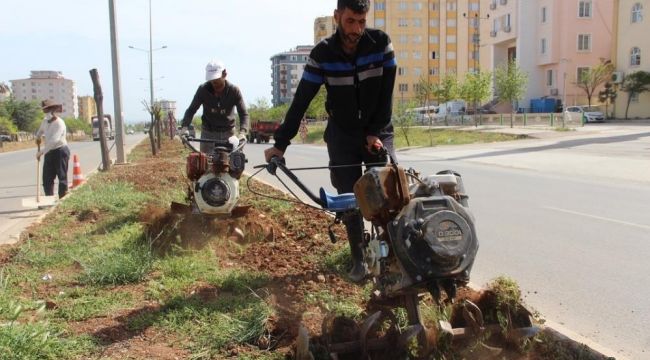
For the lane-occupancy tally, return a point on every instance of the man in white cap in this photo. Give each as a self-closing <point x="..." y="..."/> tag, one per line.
<point x="219" y="99"/>
<point x="55" y="149"/>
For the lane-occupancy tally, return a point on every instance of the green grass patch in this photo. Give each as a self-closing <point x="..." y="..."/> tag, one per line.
<point x="129" y="263"/>
<point x="39" y="340"/>
<point x="79" y="303"/>
<point x="422" y="136"/>
<point x="338" y="260"/>
<point x="211" y="326"/>
<point x="179" y="271"/>
<point x="334" y="304"/>
<point x="240" y="282"/>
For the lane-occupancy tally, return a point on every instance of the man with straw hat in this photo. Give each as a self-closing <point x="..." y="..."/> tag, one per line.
<point x="55" y="149"/>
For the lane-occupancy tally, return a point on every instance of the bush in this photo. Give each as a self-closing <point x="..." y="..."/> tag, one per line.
<point x="75" y="125"/>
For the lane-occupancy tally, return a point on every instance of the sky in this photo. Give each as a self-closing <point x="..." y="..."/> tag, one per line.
<point x="73" y="36"/>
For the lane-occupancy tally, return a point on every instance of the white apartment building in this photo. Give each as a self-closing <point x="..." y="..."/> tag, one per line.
<point x="168" y="106"/>
<point x="286" y="72"/>
<point x="42" y="85"/>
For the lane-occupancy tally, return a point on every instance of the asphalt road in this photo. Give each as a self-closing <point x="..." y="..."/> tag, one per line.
<point x="18" y="181"/>
<point x="552" y="215"/>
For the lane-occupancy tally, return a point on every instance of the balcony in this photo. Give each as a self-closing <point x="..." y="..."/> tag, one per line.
<point x="506" y="29"/>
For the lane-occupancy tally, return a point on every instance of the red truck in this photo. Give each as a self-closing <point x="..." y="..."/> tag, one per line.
<point x="262" y="131"/>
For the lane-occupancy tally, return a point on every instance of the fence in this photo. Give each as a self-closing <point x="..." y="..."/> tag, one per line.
<point x="519" y="120"/>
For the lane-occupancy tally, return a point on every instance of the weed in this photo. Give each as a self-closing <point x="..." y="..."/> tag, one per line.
<point x="338" y="260"/>
<point x="337" y="305"/>
<point x="239" y="282"/>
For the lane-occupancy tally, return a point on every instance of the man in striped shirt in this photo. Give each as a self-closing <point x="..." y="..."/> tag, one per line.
<point x="357" y="67"/>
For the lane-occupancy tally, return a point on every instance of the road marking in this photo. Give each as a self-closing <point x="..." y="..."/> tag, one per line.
<point x="647" y="227"/>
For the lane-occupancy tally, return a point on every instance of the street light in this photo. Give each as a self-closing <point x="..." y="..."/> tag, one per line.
<point x="476" y="39"/>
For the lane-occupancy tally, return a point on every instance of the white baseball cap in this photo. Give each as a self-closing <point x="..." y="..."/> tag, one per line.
<point x="214" y="70"/>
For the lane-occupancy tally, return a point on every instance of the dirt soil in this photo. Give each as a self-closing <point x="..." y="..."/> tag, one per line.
<point x="286" y="247"/>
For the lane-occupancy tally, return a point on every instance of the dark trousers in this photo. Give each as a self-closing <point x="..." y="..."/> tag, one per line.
<point x="55" y="165"/>
<point x="344" y="148"/>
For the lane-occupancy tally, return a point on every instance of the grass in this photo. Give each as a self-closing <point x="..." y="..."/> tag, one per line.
<point x="423" y="136"/>
<point x="82" y="303"/>
<point x="335" y="304"/>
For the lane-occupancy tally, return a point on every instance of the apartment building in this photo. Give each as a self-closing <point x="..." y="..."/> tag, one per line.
<point x="168" y="106"/>
<point x="87" y="108"/>
<point x="42" y="85"/>
<point x="324" y="27"/>
<point x="553" y="41"/>
<point x="633" y="50"/>
<point x="286" y="72"/>
<point x="430" y="37"/>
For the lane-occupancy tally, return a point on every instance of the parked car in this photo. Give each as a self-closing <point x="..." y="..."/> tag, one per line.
<point x="5" y="138"/>
<point x="587" y="113"/>
<point x="130" y="132"/>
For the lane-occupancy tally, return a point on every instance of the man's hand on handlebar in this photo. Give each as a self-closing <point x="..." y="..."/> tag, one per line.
<point x="373" y="144"/>
<point x="184" y="131"/>
<point x="271" y="152"/>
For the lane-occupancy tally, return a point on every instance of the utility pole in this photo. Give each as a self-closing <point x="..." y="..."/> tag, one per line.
<point x="117" y="89"/>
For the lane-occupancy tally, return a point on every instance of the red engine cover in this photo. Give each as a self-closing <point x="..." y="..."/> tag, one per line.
<point x="197" y="165"/>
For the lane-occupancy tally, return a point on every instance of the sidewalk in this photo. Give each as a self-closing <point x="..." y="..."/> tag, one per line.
<point x="613" y="151"/>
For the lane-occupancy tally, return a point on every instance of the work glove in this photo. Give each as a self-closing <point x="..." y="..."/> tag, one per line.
<point x="241" y="136"/>
<point x="234" y="141"/>
<point x="185" y="131"/>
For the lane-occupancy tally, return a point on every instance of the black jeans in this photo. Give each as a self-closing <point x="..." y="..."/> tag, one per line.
<point x="344" y="148"/>
<point x="55" y="165"/>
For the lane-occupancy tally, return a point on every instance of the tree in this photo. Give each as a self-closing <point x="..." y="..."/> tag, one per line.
<point x="404" y="119"/>
<point x="510" y="84"/>
<point x="7" y="126"/>
<point x="446" y="90"/>
<point x="316" y="109"/>
<point x="26" y="116"/>
<point x="154" y="127"/>
<point x="259" y="110"/>
<point x="277" y="113"/>
<point x="73" y="125"/>
<point x="607" y="95"/>
<point x="591" y="79"/>
<point x="635" y="83"/>
<point x="475" y="89"/>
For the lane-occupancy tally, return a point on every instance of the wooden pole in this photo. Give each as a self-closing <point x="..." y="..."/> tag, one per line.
<point x="99" y="98"/>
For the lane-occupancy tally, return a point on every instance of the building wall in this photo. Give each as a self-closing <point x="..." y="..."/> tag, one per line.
<point x="43" y="85"/>
<point x="324" y="27"/>
<point x="87" y="108"/>
<point x="630" y="35"/>
<point x="286" y="72"/>
<point x="430" y="37"/>
<point x="168" y="106"/>
<point x="547" y="49"/>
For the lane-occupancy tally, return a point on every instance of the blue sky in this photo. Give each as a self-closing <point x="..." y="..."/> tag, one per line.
<point x="73" y="36"/>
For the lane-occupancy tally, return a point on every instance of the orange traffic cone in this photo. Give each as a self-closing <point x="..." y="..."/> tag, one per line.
<point x="77" y="175"/>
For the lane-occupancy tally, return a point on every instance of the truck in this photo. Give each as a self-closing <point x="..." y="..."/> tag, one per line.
<point x="451" y="108"/>
<point x="262" y="131"/>
<point x="108" y="127"/>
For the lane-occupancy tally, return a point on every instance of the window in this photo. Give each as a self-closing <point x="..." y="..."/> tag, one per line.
<point x="475" y="55"/>
<point x="433" y="6"/>
<point x="401" y="71"/>
<point x="403" y="39"/>
<point x="473" y="7"/>
<point x="495" y="25"/>
<point x="543" y="15"/>
<point x="584" y="42"/>
<point x="634" y="97"/>
<point x="434" y="23"/>
<point x="549" y="78"/>
<point x="451" y="55"/>
<point x="582" y="71"/>
<point x="451" y="23"/>
<point x="417" y="22"/>
<point x="416" y="39"/>
<point x="403" y="5"/>
<point x="542" y="48"/>
<point x="433" y="39"/>
<point x="433" y="55"/>
<point x="417" y="6"/>
<point x="403" y="87"/>
<point x="433" y="71"/>
<point x="637" y="13"/>
<point x="451" y="6"/>
<point x="380" y="6"/>
<point x="451" y="39"/>
<point x="473" y="22"/>
<point x="403" y="55"/>
<point x="417" y="71"/>
<point x="401" y="22"/>
<point x="584" y="9"/>
<point x="417" y="55"/>
<point x="380" y="22"/>
<point x="635" y="56"/>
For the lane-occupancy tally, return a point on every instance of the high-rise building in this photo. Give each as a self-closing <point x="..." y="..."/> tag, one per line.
<point x="633" y="52"/>
<point x="43" y="85"/>
<point x="324" y="27"/>
<point x="286" y="72"/>
<point x="431" y="38"/>
<point x="87" y="108"/>
<point x="552" y="41"/>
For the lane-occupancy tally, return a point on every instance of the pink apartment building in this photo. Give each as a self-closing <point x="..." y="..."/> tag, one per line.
<point x="551" y="40"/>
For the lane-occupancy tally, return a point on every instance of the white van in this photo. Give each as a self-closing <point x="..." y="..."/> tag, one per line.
<point x="451" y="108"/>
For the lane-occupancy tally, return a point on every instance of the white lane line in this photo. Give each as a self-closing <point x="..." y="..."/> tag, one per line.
<point x="647" y="227"/>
